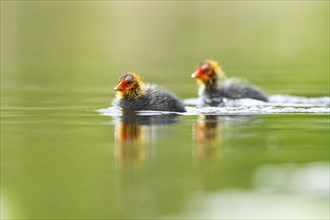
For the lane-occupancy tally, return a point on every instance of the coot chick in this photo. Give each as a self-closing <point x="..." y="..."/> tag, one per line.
<point x="214" y="90"/>
<point x="133" y="94"/>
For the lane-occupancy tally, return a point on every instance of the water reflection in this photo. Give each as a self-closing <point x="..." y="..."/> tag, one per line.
<point x="207" y="134"/>
<point x="135" y="137"/>
<point x="129" y="150"/>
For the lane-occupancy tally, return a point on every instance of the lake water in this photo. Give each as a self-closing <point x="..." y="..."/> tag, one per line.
<point x="231" y="162"/>
<point x="67" y="154"/>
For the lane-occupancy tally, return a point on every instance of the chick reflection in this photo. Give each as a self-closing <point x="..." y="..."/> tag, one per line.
<point x="129" y="145"/>
<point x="207" y="135"/>
<point x="133" y="134"/>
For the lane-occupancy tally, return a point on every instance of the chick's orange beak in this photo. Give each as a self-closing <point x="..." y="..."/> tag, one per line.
<point x="120" y="87"/>
<point x="197" y="74"/>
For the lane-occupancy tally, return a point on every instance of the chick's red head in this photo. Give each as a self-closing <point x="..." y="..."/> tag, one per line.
<point x="129" y="85"/>
<point x="125" y="82"/>
<point x="206" y="70"/>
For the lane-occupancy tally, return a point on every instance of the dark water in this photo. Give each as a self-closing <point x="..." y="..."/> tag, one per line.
<point x="66" y="155"/>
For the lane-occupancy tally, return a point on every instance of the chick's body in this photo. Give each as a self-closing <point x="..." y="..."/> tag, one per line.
<point x="213" y="90"/>
<point x="231" y="88"/>
<point x="145" y="97"/>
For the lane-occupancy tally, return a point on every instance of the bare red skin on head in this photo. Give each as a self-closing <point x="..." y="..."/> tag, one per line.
<point x="121" y="86"/>
<point x="124" y="82"/>
<point x="202" y="71"/>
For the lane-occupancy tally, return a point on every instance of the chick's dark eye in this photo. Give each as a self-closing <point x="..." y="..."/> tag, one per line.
<point x="129" y="82"/>
<point x="205" y="67"/>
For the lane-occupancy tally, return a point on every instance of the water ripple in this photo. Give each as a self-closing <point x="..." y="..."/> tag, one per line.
<point x="278" y="104"/>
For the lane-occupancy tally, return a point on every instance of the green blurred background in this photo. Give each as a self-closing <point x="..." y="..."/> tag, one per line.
<point x="80" y="47"/>
<point x="60" y="61"/>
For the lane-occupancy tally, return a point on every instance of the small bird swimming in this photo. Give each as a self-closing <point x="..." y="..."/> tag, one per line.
<point x="133" y="94"/>
<point x="214" y="87"/>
